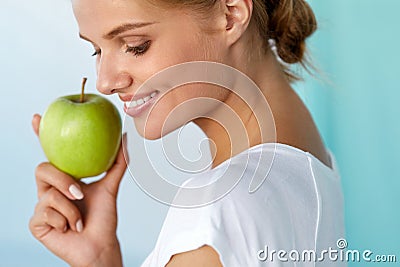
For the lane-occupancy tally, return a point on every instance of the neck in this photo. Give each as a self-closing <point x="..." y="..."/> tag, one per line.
<point x="252" y="121"/>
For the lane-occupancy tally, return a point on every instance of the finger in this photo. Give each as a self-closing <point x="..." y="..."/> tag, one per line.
<point x="46" y="219"/>
<point x="114" y="176"/>
<point x="35" y="123"/>
<point x="57" y="201"/>
<point x="38" y="226"/>
<point x="48" y="176"/>
<point x="54" y="219"/>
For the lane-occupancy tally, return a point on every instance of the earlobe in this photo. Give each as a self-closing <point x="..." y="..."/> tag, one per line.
<point x="238" y="15"/>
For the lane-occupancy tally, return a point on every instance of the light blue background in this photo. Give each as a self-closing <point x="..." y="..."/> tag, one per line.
<point x="358" y="114"/>
<point x="354" y="102"/>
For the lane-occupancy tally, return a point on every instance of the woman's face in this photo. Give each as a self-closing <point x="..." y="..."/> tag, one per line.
<point x="134" y="40"/>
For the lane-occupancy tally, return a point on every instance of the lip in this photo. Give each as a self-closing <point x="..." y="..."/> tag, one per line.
<point x="125" y="98"/>
<point x="138" y="110"/>
<point x="128" y="98"/>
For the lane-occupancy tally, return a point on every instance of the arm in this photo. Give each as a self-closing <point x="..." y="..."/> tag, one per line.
<point x="204" y="256"/>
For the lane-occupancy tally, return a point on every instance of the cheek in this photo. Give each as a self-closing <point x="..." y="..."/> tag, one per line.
<point x="183" y="41"/>
<point x="180" y="106"/>
<point x="183" y="104"/>
<point x="161" y="55"/>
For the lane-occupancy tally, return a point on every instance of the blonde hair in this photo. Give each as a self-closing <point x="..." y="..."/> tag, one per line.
<point x="288" y="22"/>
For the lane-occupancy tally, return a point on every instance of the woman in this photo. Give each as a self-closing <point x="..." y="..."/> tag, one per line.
<point x="296" y="203"/>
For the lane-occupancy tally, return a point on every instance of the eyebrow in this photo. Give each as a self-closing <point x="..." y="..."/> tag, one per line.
<point x="121" y="29"/>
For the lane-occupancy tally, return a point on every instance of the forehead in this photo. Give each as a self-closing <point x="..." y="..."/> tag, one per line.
<point x="105" y="14"/>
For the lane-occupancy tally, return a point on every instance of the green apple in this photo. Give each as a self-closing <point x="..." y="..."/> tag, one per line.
<point x="81" y="134"/>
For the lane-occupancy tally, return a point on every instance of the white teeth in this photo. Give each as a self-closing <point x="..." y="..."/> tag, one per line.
<point x="133" y="104"/>
<point x="141" y="101"/>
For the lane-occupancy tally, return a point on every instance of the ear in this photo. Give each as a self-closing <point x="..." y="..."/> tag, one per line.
<point x="238" y="15"/>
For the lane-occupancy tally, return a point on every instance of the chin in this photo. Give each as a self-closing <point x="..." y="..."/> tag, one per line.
<point x="150" y="136"/>
<point x="152" y="131"/>
<point x="148" y="133"/>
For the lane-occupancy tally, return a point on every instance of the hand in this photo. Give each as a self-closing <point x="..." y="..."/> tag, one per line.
<point x="78" y="221"/>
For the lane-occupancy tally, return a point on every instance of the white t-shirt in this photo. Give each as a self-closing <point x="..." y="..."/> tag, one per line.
<point x="298" y="209"/>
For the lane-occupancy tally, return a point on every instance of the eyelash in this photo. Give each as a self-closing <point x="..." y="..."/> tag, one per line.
<point x="96" y="52"/>
<point x="136" y="50"/>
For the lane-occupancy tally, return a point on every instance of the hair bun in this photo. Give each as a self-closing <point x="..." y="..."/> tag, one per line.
<point x="290" y="22"/>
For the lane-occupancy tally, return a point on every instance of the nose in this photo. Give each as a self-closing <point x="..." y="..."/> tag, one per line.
<point x="111" y="76"/>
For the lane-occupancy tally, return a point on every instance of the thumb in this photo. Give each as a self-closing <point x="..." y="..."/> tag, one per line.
<point x="114" y="175"/>
<point x="35" y="123"/>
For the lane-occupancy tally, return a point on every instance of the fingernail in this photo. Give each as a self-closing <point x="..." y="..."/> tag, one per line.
<point x="125" y="140"/>
<point x="124" y="137"/>
<point x="125" y="144"/>
<point x="79" y="226"/>
<point x="75" y="192"/>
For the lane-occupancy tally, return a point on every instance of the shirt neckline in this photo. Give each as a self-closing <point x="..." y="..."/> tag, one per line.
<point x="287" y="147"/>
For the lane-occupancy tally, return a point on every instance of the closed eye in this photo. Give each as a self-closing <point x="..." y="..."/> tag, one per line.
<point x="138" y="50"/>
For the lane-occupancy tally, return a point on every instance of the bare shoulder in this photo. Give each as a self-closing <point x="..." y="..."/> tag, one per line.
<point x="203" y="256"/>
<point x="296" y="127"/>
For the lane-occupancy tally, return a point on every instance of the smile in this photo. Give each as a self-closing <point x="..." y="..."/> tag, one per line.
<point x="140" y="101"/>
<point x="137" y="106"/>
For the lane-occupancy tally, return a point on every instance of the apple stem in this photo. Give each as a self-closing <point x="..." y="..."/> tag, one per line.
<point x="83" y="89"/>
